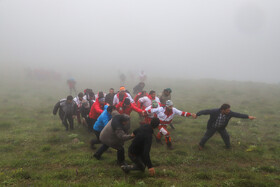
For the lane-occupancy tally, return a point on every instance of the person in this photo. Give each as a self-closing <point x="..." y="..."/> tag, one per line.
<point x="85" y="109"/>
<point x="139" y="95"/>
<point x="139" y="150"/>
<point x="67" y="111"/>
<point x="101" y="122"/>
<point x="110" y="96"/>
<point x="149" y="117"/>
<point x="126" y="107"/>
<point x="100" y="94"/>
<point x="166" y="115"/>
<point x="138" y="88"/>
<point x="218" y="122"/>
<point x="95" y="111"/>
<point x="78" y="100"/>
<point x="142" y="76"/>
<point x="166" y="95"/>
<point x="146" y="101"/>
<point x="136" y="99"/>
<point x="121" y="95"/>
<point x="114" y="134"/>
<point x="91" y="98"/>
<point x="89" y="95"/>
<point x="72" y="85"/>
<point x="122" y="78"/>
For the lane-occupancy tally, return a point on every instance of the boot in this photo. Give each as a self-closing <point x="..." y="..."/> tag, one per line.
<point x="121" y="163"/>
<point x="127" y="168"/>
<point x="169" y="144"/>
<point x="98" y="157"/>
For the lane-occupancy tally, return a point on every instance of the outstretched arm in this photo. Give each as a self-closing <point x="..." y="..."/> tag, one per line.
<point x="204" y="112"/>
<point x="244" y="116"/>
<point x="238" y="115"/>
<point x="182" y="113"/>
<point x="122" y="135"/>
<point x="135" y="108"/>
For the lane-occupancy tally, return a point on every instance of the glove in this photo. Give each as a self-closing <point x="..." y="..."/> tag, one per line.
<point x="152" y="171"/>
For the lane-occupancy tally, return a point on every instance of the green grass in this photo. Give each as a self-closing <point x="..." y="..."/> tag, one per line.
<point x="36" y="150"/>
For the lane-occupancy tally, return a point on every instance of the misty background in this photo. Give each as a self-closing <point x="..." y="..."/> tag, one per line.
<point x="228" y="40"/>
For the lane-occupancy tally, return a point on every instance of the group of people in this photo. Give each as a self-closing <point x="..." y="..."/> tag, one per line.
<point x="108" y="117"/>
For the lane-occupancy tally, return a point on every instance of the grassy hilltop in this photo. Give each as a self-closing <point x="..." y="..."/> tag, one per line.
<point x="36" y="150"/>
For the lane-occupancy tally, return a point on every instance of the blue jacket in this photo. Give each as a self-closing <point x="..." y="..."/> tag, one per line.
<point x="102" y="120"/>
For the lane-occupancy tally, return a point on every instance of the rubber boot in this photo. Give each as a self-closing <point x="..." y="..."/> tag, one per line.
<point x="169" y="144"/>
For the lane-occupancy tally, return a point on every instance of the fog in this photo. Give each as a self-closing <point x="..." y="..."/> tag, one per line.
<point x="228" y="40"/>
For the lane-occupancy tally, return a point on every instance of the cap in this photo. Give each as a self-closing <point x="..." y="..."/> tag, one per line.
<point x="169" y="103"/>
<point x="154" y="104"/>
<point x="168" y="90"/>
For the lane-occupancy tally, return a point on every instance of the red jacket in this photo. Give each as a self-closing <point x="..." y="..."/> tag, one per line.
<point x="136" y="98"/>
<point x="128" y="109"/>
<point x="96" y="110"/>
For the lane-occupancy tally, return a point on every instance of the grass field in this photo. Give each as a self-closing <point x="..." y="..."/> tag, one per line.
<point x="36" y="150"/>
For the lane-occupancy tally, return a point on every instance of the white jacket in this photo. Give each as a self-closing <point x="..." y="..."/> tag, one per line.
<point x="146" y="101"/>
<point x="165" y="116"/>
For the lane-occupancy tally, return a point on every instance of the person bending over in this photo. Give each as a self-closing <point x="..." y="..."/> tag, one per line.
<point x="139" y="150"/>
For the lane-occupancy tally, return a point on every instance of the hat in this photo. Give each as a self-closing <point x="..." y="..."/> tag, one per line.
<point x="122" y="88"/>
<point x="169" y="103"/>
<point x="154" y="104"/>
<point x="168" y="90"/>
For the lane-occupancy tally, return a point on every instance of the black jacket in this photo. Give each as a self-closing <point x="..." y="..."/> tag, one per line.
<point x="141" y="144"/>
<point x="65" y="109"/>
<point x="214" y="114"/>
<point x="84" y="111"/>
<point x="109" y="99"/>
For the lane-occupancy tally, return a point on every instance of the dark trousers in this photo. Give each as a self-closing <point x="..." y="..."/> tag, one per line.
<point x="138" y="162"/>
<point x="90" y="124"/>
<point x="97" y="134"/>
<point x="72" y="89"/>
<point x="120" y="153"/>
<point x="210" y="132"/>
<point x="120" y="156"/>
<point x="101" y="150"/>
<point x="79" y="117"/>
<point x="66" y="120"/>
<point x="95" y="141"/>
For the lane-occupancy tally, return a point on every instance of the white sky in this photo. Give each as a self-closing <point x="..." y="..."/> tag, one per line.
<point x="221" y="39"/>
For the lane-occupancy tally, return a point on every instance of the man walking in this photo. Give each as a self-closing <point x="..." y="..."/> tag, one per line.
<point x="67" y="111"/>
